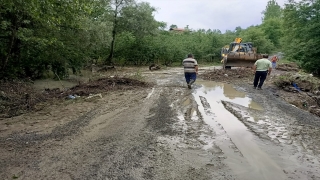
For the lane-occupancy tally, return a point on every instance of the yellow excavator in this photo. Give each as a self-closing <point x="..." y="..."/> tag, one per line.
<point x="239" y="54"/>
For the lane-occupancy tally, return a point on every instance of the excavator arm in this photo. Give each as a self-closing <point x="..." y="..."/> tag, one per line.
<point x="238" y="40"/>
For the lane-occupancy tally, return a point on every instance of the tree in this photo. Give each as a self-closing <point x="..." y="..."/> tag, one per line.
<point x="273" y="10"/>
<point x="139" y="20"/>
<point x="301" y="25"/>
<point x="272" y="28"/>
<point x="258" y="38"/>
<point x="272" y="23"/>
<point x="117" y="5"/>
<point x="37" y="36"/>
<point x="173" y="26"/>
<point x="238" y="30"/>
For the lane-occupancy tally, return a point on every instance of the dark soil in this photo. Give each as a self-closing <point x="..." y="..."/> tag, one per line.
<point x="106" y="84"/>
<point x="300" y="90"/>
<point x="18" y="97"/>
<point x="288" y="67"/>
<point x="294" y="82"/>
<point x="228" y="74"/>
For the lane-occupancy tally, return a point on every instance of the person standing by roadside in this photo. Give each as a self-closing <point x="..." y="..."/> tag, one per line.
<point x="274" y="61"/>
<point x="190" y="69"/>
<point x="262" y="68"/>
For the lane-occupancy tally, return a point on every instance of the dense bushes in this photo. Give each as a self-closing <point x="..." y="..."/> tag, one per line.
<point x="41" y="36"/>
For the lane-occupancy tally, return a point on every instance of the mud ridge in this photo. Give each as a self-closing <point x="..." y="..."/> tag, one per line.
<point x="230" y="107"/>
<point x="300" y="115"/>
<point x="162" y="119"/>
<point x="58" y="133"/>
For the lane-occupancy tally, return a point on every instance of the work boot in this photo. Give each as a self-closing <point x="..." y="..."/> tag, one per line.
<point x="191" y="82"/>
<point x="189" y="86"/>
<point x="259" y="88"/>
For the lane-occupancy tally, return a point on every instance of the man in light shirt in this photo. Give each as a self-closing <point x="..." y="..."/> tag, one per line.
<point x="190" y="70"/>
<point x="262" y="68"/>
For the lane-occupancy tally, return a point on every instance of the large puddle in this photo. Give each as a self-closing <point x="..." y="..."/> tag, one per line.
<point x="243" y="155"/>
<point x="221" y="91"/>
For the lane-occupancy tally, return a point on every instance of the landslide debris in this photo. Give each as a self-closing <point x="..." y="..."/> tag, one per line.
<point x="227" y="74"/>
<point x="294" y="82"/>
<point x="303" y="90"/>
<point x="18" y="97"/>
<point x="288" y="67"/>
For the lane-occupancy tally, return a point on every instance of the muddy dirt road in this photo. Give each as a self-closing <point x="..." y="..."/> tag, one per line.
<point x="213" y="131"/>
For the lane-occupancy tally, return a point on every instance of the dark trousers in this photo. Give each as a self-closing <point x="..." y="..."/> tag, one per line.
<point x="190" y="76"/>
<point x="259" y="77"/>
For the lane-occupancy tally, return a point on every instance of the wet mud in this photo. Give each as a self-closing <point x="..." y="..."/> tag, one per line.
<point x="215" y="130"/>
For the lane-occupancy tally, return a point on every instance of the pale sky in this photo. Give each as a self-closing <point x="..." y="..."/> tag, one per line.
<point x="210" y="14"/>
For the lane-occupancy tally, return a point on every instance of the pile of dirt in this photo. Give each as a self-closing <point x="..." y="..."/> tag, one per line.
<point x="227" y="74"/>
<point x="294" y="82"/>
<point x="303" y="91"/>
<point x="106" y="84"/>
<point x="288" y="67"/>
<point x="18" y="97"/>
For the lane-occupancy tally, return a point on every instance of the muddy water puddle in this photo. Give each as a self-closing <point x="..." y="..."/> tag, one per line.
<point x="221" y="91"/>
<point x="244" y="156"/>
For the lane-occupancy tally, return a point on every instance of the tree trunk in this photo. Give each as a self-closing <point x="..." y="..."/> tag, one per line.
<point x="10" y="46"/>
<point x="114" y="33"/>
<point x="110" y="57"/>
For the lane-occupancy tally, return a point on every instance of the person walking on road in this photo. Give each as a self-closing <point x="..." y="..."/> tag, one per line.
<point x="262" y="68"/>
<point x="274" y="61"/>
<point x="190" y="69"/>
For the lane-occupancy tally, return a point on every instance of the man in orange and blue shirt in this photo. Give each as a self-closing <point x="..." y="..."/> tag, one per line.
<point x="274" y="61"/>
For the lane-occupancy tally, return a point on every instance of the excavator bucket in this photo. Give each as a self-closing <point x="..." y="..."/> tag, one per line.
<point x="240" y="55"/>
<point x="241" y="59"/>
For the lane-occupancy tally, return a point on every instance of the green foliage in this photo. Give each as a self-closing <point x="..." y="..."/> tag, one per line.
<point x="58" y="37"/>
<point x="173" y="26"/>
<point x="301" y="27"/>
<point x="272" y="28"/>
<point x="38" y="36"/>
<point x="273" y="10"/>
<point x="257" y="36"/>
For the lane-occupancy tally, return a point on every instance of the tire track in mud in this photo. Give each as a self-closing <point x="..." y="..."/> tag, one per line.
<point x="222" y="136"/>
<point x="251" y="162"/>
<point x="299" y="160"/>
<point x="57" y="154"/>
<point x="71" y="128"/>
<point x="186" y="138"/>
<point x="170" y="133"/>
<point x="161" y="120"/>
<point x="290" y="127"/>
<point x="178" y="163"/>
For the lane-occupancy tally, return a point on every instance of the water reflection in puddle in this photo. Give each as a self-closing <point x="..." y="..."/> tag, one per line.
<point x="220" y="91"/>
<point x="256" y="163"/>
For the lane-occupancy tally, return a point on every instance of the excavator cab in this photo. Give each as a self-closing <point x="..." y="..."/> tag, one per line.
<point x="240" y="47"/>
